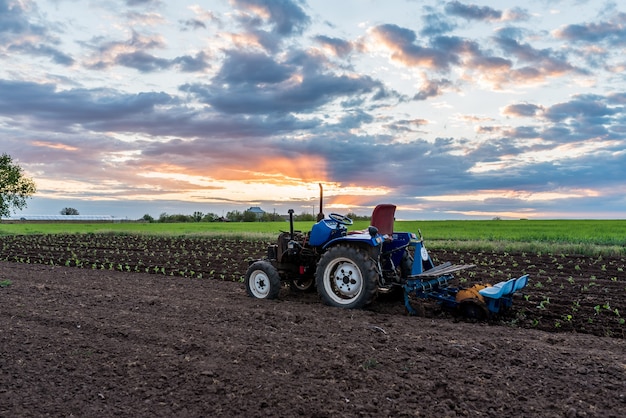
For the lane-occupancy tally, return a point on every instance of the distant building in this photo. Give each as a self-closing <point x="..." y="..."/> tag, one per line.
<point x="258" y="212"/>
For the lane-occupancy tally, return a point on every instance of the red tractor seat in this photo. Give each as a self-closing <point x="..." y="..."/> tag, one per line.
<point x="383" y="217"/>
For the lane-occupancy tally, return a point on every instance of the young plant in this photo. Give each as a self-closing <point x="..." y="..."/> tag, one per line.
<point x="542" y="305"/>
<point x="369" y="364"/>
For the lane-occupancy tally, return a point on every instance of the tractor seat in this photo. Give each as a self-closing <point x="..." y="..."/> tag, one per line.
<point x="383" y="217"/>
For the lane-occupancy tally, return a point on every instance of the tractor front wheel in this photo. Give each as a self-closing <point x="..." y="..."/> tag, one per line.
<point x="262" y="280"/>
<point x="346" y="277"/>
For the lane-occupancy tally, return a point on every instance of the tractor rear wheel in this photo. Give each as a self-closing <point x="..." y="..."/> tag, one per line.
<point x="262" y="280"/>
<point x="346" y="277"/>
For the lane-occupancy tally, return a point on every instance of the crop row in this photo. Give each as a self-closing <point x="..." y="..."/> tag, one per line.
<point x="565" y="293"/>
<point x="183" y="257"/>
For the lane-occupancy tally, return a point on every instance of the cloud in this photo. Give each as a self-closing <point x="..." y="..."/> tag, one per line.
<point x="431" y="88"/>
<point x="42" y="50"/>
<point x="41" y="105"/>
<point x="267" y="24"/>
<point x="19" y="35"/>
<point x="590" y="108"/>
<point x="521" y="64"/>
<point x="134" y="3"/>
<point x="132" y="54"/>
<point x="14" y="21"/>
<point x="612" y="32"/>
<point x="485" y="13"/>
<point x="522" y="109"/>
<point x="255" y="83"/>
<point x="284" y="16"/>
<point x="436" y="24"/>
<point x="193" y="24"/>
<point x="416" y="109"/>
<point x="472" y="12"/>
<point x="401" y="42"/>
<point x="338" y="47"/>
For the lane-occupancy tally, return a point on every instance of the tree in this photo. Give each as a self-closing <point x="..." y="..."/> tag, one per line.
<point x="15" y="188"/>
<point x="69" y="211"/>
<point x="304" y="217"/>
<point x="249" y="216"/>
<point x="210" y="217"/>
<point x="234" y="216"/>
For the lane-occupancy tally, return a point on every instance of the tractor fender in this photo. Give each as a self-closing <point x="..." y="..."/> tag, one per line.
<point x="356" y="239"/>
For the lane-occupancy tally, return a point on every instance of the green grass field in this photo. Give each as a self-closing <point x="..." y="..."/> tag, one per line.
<point x="562" y="236"/>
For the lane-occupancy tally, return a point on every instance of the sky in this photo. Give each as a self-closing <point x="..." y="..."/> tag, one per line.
<point x="447" y="109"/>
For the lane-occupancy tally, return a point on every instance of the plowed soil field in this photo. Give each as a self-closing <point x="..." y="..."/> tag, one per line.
<point x="106" y="325"/>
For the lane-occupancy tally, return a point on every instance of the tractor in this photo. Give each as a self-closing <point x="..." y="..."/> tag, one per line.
<point x="350" y="268"/>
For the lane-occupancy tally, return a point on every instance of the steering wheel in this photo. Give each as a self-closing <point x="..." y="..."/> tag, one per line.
<point x="340" y="219"/>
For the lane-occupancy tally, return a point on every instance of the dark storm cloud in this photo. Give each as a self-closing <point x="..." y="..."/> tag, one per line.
<point x="471" y="11"/>
<point x="611" y="32"/>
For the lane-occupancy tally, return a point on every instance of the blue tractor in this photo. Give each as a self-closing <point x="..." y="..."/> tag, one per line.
<point x="350" y="268"/>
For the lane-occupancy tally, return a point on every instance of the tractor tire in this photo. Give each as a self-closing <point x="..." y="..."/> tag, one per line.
<point x="346" y="277"/>
<point x="262" y="280"/>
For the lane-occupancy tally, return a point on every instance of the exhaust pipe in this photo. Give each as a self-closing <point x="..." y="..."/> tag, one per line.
<point x="291" y="224"/>
<point x="320" y="215"/>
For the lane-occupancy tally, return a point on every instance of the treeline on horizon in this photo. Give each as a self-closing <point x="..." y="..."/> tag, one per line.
<point x="237" y="216"/>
